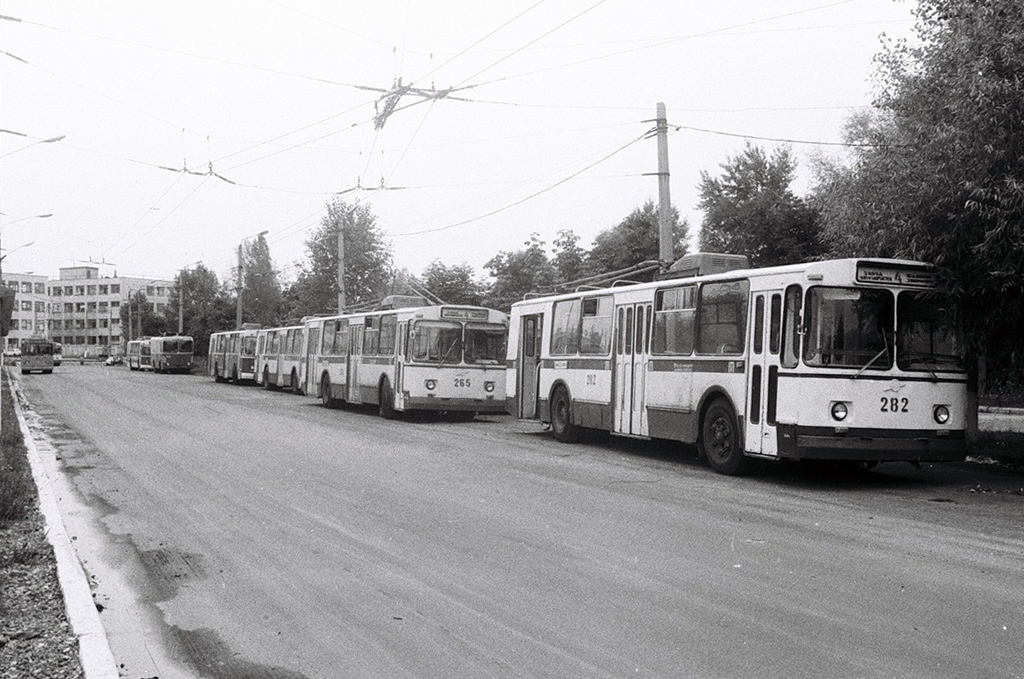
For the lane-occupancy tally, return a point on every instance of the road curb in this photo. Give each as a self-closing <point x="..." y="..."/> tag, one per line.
<point x="93" y="648"/>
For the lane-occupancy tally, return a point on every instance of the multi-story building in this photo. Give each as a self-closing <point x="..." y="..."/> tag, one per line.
<point x="81" y="309"/>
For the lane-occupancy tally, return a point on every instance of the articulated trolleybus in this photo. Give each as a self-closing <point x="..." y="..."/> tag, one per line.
<point x="853" y="359"/>
<point x="442" y="358"/>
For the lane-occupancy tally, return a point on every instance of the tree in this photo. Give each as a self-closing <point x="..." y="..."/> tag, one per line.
<point x="261" y="291"/>
<point x="750" y="210"/>
<point x="517" y="273"/>
<point x="453" y="284"/>
<point x="569" y="257"/>
<point x="939" y="175"/>
<point x="208" y="307"/>
<point x="635" y="240"/>
<point x="368" y="263"/>
<point x="139" y="318"/>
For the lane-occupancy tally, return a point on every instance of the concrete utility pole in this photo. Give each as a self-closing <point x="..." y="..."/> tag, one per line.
<point x="666" y="249"/>
<point x="238" y="290"/>
<point x="341" y="264"/>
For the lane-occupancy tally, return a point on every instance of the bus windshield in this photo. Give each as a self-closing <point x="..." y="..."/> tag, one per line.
<point x="36" y="349"/>
<point x="849" y="328"/>
<point x="929" y="337"/>
<point x="485" y="343"/>
<point x="249" y="345"/>
<point x="436" y="342"/>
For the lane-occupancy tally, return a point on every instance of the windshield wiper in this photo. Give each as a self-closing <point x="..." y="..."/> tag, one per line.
<point x="449" y="352"/>
<point x="919" y="359"/>
<point x="885" y="350"/>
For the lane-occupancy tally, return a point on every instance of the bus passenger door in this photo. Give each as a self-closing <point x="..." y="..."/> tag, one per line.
<point x="399" y="386"/>
<point x="355" y="354"/>
<point x="632" y="348"/>
<point x="312" y="342"/>
<point x="763" y="375"/>
<point x="528" y="366"/>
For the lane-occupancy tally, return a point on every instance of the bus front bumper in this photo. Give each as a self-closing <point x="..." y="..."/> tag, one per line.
<point x="489" y="405"/>
<point x="871" y="445"/>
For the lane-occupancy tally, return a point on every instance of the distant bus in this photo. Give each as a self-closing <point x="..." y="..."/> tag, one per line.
<point x="279" y="353"/>
<point x="442" y="358"/>
<point x="58" y="353"/>
<point x="233" y="355"/>
<point x="36" y="355"/>
<point x="139" y="354"/>
<point x="856" y="359"/>
<point x="172" y="353"/>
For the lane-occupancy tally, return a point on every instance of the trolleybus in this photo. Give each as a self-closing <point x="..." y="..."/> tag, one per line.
<point x="854" y="359"/>
<point x="172" y="353"/>
<point x="279" y="357"/>
<point x="139" y="354"/>
<point x="37" y="355"/>
<point x="233" y="354"/>
<point x="442" y="358"/>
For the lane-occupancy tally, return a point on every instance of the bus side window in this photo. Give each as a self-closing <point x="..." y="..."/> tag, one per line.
<point x="327" y="345"/>
<point x="530" y="332"/>
<point x="759" y="324"/>
<point x="791" y="327"/>
<point x="775" y="324"/>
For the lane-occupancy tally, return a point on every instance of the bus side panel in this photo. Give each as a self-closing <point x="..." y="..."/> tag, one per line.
<point x="669" y="398"/>
<point x="589" y="381"/>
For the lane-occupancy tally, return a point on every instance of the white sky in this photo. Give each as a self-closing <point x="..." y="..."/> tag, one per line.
<point x="264" y="89"/>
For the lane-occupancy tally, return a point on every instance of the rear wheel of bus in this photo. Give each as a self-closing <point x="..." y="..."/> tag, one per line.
<point x="720" y="441"/>
<point x="386" y="400"/>
<point x="561" y="417"/>
<point x="325" y="392"/>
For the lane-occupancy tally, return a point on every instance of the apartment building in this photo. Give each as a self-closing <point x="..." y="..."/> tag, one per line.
<point x="80" y="309"/>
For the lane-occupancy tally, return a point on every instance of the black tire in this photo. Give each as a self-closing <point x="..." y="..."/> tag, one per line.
<point x="234" y="375"/>
<point x="325" y="392"/>
<point x="720" y="439"/>
<point x="386" y="401"/>
<point x="266" y="379"/>
<point x="216" y="374"/>
<point x="295" y="387"/>
<point x="561" y="417"/>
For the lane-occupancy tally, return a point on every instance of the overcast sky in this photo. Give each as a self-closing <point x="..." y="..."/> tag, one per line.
<point x="543" y="129"/>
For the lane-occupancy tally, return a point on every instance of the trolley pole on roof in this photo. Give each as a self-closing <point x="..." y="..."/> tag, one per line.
<point x="666" y="247"/>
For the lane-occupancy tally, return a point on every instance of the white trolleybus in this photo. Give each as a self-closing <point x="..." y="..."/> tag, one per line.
<point x="280" y="354"/>
<point x="442" y="358"/>
<point x="233" y="354"/>
<point x="138" y="354"/>
<point x="854" y="359"/>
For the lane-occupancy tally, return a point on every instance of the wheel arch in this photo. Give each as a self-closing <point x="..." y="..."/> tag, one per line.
<point x="707" y="398"/>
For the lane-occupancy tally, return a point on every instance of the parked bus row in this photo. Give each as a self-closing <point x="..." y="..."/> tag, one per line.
<point x="443" y="358"/>
<point x="172" y="353"/>
<point x="855" y="359"/>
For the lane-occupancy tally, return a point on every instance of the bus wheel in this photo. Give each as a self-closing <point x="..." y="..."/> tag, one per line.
<point x="325" y="393"/>
<point x="266" y="379"/>
<point x="386" y="401"/>
<point x="561" y="417"/>
<point x="234" y="375"/>
<point x="296" y="389"/>
<point x="720" y="441"/>
<point x="216" y="374"/>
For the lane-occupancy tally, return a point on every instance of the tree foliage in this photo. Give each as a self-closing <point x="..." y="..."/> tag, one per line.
<point x="943" y="176"/>
<point x="635" y="240"/>
<point x="139" y="318"/>
<point x="261" y="290"/>
<point x="368" y="262"/>
<point x="750" y="210"/>
<point x="208" y="307"/>
<point x="453" y="284"/>
<point x="517" y="273"/>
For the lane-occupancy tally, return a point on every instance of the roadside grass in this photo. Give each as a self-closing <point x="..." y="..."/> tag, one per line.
<point x="35" y="637"/>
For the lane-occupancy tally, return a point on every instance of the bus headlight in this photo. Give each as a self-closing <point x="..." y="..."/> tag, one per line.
<point x="430" y="385"/>
<point x="941" y="414"/>
<point x="488" y="386"/>
<point x="839" y="411"/>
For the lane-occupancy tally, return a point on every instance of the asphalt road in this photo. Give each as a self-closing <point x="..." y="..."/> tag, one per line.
<point x="266" y="536"/>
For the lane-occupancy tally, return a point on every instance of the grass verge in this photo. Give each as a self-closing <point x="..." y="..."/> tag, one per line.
<point x="35" y="637"/>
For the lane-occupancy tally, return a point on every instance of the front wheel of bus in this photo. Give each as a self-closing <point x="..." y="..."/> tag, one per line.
<point x="720" y="440"/>
<point x="325" y="393"/>
<point x="386" y="401"/>
<point x="561" y="417"/>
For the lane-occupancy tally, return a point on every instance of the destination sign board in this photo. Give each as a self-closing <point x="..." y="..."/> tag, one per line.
<point x="894" y="275"/>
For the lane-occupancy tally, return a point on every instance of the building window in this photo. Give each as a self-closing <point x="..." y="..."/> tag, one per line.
<point x="26" y="306"/>
<point x="80" y="290"/>
<point x="68" y="290"/>
<point x="115" y="305"/>
<point x="79" y="307"/>
<point x="40" y="288"/>
<point x="91" y="306"/>
<point x="69" y="307"/>
<point x="115" y="289"/>
<point x="149" y="290"/>
<point x="92" y="289"/>
<point x="26" y="324"/>
<point x="26" y="287"/>
<point x="41" y="307"/>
